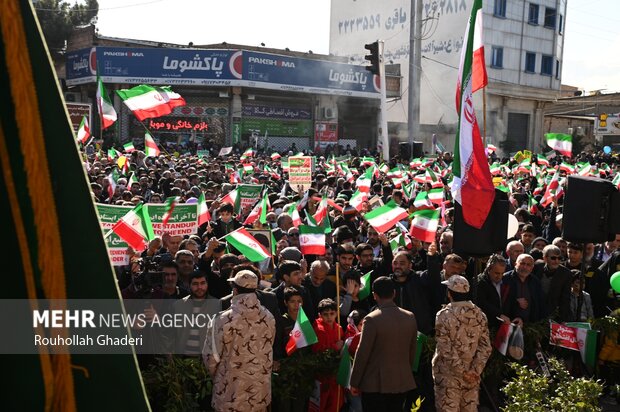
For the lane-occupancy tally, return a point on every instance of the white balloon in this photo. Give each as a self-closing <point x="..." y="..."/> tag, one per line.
<point x="513" y="225"/>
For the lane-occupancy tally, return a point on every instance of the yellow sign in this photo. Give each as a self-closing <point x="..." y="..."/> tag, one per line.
<point x="497" y="181"/>
<point x="527" y="154"/>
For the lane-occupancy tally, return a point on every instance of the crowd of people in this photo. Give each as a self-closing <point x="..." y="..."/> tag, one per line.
<point x="417" y="284"/>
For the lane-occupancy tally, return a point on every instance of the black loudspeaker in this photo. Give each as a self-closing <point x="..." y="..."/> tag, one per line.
<point x="491" y="238"/>
<point x="590" y="210"/>
<point x="404" y="151"/>
<point x="418" y="150"/>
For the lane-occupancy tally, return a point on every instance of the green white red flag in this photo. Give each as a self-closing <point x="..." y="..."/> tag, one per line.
<point x="312" y="240"/>
<point x="148" y="102"/>
<point x="259" y="211"/>
<point x="358" y="199"/>
<point x="250" y="152"/>
<point x="150" y="147"/>
<point x="247" y="245"/>
<point x="424" y="225"/>
<point x="422" y="201"/>
<point x="128" y="147"/>
<point x="561" y="142"/>
<point x="386" y="216"/>
<point x="502" y="337"/>
<point x="294" y="213"/>
<point x="230" y="197"/>
<point x="204" y="215"/>
<point x="135" y="228"/>
<point x="171" y="203"/>
<point x="472" y="186"/>
<point x="275" y="156"/>
<point x="364" y="182"/>
<point x="365" y="286"/>
<point x="343" y="375"/>
<point x="321" y="211"/>
<point x="83" y="132"/>
<point x="436" y="196"/>
<point x="302" y="334"/>
<point x="106" y="109"/>
<point x="616" y="180"/>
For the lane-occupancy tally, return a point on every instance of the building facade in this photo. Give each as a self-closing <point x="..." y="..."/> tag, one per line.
<point x="235" y="94"/>
<point x="523" y="50"/>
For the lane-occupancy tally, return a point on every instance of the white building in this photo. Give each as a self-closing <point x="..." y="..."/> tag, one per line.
<point x="523" y="48"/>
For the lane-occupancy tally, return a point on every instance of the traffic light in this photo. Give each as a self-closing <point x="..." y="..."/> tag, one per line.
<point x="602" y="120"/>
<point x="373" y="57"/>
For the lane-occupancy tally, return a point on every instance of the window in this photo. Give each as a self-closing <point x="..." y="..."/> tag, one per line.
<point x="546" y="66"/>
<point x="497" y="57"/>
<point x="550" y="18"/>
<point x="500" y="8"/>
<point x="530" y="62"/>
<point x="557" y="69"/>
<point x="533" y="14"/>
<point x="561" y="23"/>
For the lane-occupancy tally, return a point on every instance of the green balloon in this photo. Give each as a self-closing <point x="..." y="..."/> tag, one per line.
<point x="615" y="282"/>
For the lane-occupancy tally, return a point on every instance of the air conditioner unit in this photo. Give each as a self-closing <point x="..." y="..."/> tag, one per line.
<point x="72" y="97"/>
<point x="329" y="113"/>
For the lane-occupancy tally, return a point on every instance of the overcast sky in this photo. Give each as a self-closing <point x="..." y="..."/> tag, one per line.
<point x="591" y="59"/>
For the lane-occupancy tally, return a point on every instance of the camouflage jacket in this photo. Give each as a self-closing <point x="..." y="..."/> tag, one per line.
<point x="243" y="337"/>
<point x="462" y="336"/>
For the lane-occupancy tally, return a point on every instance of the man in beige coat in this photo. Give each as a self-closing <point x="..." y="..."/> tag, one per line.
<point x="382" y="369"/>
<point x="238" y="350"/>
<point x="462" y="350"/>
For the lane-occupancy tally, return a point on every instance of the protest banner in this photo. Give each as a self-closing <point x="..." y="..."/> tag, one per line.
<point x="300" y="173"/>
<point x="117" y="248"/>
<point x="183" y="220"/>
<point x="247" y="196"/>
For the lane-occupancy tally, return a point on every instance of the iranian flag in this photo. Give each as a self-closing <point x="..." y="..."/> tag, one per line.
<point x="250" y="152"/>
<point x="422" y="201"/>
<point x="203" y="210"/>
<point x="112" y="178"/>
<point x="106" y="109"/>
<point x="83" y="132"/>
<point x="561" y="142"/>
<point x="128" y="147"/>
<point x="230" y="197"/>
<point x="358" y="199"/>
<point x="542" y="160"/>
<point x="472" y="185"/>
<point x="343" y="376"/>
<point x="275" y="156"/>
<point x="616" y="181"/>
<point x="259" y="212"/>
<point x="567" y="167"/>
<point x="424" y="225"/>
<point x="294" y="214"/>
<point x="302" y="334"/>
<point x="436" y="196"/>
<point x="502" y="337"/>
<point x="365" y="286"/>
<point x="247" y="245"/>
<point x="171" y="203"/>
<point x="585" y="169"/>
<point x="385" y="217"/>
<point x="135" y="228"/>
<point x="132" y="179"/>
<point x="496" y="169"/>
<point x="550" y="191"/>
<point x="312" y="240"/>
<point x="321" y="211"/>
<point x="364" y="181"/>
<point x="150" y="147"/>
<point x="491" y="148"/>
<point x="147" y="102"/>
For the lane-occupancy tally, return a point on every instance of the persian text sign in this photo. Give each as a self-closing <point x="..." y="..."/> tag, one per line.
<point x="300" y="173"/>
<point x="117" y="247"/>
<point x="247" y="195"/>
<point x="184" y="219"/>
<point x="563" y="336"/>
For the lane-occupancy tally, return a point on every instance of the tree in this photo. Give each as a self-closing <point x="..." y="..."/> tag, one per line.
<point x="58" y="19"/>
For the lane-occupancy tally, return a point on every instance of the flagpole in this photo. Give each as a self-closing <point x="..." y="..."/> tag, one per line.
<point x="337" y="319"/>
<point x="484" y="117"/>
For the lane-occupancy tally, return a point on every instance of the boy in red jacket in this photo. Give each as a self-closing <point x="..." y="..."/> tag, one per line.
<point x="329" y="335"/>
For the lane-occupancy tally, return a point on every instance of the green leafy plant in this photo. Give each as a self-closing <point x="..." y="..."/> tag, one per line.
<point x="530" y="392"/>
<point x="177" y="384"/>
<point x="297" y="373"/>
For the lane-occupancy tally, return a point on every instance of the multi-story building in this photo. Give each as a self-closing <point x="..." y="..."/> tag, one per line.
<point x="523" y="42"/>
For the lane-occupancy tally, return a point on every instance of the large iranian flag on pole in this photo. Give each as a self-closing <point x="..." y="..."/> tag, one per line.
<point x="424" y="225"/>
<point x="385" y="217"/>
<point x="106" y="109"/>
<point x="561" y="142"/>
<point x="247" y="245"/>
<point x="135" y="228"/>
<point x="472" y="186"/>
<point x="474" y="50"/>
<point x="147" y="101"/>
<point x="150" y="147"/>
<point x="302" y="334"/>
<point x="312" y="240"/>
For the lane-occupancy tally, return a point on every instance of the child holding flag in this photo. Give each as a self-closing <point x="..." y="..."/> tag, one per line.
<point x="330" y="336"/>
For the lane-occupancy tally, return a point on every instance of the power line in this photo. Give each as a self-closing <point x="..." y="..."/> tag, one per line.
<point x="108" y="8"/>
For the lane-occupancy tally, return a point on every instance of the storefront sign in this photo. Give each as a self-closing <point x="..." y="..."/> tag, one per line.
<point x="291" y="128"/>
<point x="325" y="134"/>
<point x="276" y="112"/>
<point x="77" y="111"/>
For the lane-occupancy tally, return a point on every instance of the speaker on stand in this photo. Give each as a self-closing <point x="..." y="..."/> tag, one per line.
<point x="404" y="151"/>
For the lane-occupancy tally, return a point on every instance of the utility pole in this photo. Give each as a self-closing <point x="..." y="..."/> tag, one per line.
<point x="415" y="68"/>
<point x="377" y="68"/>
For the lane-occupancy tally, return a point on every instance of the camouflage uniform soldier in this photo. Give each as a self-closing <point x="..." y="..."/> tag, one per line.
<point x="238" y="350"/>
<point x="463" y="348"/>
